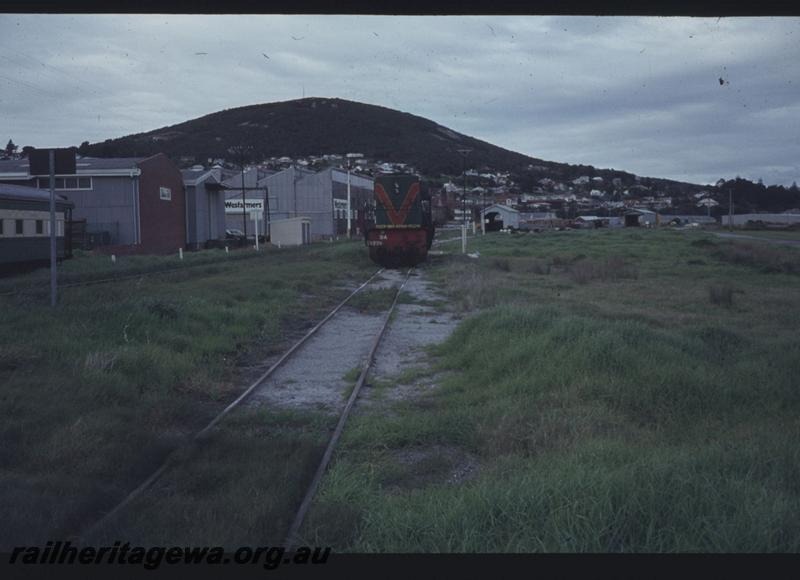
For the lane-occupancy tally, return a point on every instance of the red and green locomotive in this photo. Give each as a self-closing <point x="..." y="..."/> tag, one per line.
<point x="402" y="230"/>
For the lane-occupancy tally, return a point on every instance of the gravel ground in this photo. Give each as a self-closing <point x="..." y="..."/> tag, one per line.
<point x="313" y="378"/>
<point x="415" y="327"/>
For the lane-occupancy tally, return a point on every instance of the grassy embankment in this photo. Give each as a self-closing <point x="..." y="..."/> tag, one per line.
<point x="768" y="234"/>
<point x="618" y="391"/>
<point x="96" y="392"/>
<point x="86" y="266"/>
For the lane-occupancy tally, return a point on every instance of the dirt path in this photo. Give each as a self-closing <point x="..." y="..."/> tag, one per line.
<point x="416" y="326"/>
<point x="314" y="379"/>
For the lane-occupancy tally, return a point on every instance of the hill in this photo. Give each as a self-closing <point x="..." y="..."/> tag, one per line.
<point x="314" y="126"/>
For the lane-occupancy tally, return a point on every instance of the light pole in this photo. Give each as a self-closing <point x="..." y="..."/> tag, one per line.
<point x="464" y="153"/>
<point x="350" y="157"/>
<point x="240" y="150"/>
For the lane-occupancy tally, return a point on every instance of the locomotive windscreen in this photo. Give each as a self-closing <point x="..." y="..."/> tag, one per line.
<point x="397" y="201"/>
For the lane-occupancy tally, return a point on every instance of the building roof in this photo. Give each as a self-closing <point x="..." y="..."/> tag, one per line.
<point x="502" y="206"/>
<point x="24" y="193"/>
<point x="18" y="168"/>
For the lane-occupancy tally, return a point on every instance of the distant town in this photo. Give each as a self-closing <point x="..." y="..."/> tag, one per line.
<point x="155" y="204"/>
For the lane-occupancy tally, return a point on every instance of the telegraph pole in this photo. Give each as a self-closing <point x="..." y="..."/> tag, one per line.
<point x="730" y="209"/>
<point x="240" y="150"/>
<point x="350" y="157"/>
<point x="464" y="153"/>
<point x="53" y="224"/>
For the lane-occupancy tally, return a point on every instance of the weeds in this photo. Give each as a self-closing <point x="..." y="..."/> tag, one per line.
<point x="638" y="419"/>
<point x="612" y="268"/>
<point x="721" y="294"/>
<point x="764" y="257"/>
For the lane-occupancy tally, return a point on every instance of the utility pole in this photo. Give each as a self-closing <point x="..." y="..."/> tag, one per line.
<point x="348" y="199"/>
<point x="730" y="209"/>
<point x="244" y="204"/>
<point x="53" y="225"/>
<point x="267" y="225"/>
<point x="294" y="187"/>
<point x="350" y="157"/>
<point x="464" y="153"/>
<point x="240" y="151"/>
<point x="483" y="211"/>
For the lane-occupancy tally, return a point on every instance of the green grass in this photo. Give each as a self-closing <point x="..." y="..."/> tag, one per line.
<point x="770" y="234"/>
<point x="86" y="266"/>
<point x="98" y="390"/>
<point x="237" y="489"/>
<point x="625" y="410"/>
<point x="373" y="301"/>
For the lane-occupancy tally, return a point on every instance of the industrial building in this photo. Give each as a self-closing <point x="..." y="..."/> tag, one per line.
<point x="205" y="206"/>
<point x="130" y="205"/>
<point x="319" y="196"/>
<point x="766" y="219"/>
<point x="498" y="216"/>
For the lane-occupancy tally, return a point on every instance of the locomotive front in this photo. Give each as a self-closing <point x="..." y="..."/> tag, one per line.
<point x="403" y="230"/>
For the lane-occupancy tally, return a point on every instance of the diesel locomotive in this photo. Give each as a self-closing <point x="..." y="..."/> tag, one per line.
<point x="401" y="232"/>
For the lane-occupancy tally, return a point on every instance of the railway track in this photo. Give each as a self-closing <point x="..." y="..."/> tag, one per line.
<point x="174" y="457"/>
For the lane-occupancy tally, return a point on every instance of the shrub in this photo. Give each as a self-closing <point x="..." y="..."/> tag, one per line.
<point x="501" y="264"/>
<point x="762" y="256"/>
<point x="537" y="266"/>
<point x="613" y="268"/>
<point x="721" y="294"/>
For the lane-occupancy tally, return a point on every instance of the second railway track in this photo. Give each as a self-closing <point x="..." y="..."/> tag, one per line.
<point x="263" y="389"/>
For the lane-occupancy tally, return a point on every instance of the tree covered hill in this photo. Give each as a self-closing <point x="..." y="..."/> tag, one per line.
<point x="318" y="126"/>
<point x="315" y="126"/>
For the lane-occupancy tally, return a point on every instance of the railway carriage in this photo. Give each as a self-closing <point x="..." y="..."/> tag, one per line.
<point x="402" y="230"/>
<point x="25" y="227"/>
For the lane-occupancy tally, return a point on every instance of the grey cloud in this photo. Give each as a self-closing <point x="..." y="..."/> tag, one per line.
<point x="640" y="94"/>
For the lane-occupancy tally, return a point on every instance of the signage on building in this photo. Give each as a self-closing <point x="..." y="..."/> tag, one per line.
<point x="234" y="205"/>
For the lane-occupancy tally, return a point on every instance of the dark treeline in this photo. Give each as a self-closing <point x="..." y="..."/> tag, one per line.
<point x="749" y="197"/>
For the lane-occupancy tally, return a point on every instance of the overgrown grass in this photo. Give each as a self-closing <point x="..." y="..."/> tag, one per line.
<point x="87" y="266"/>
<point x="98" y="390"/>
<point x="373" y="301"/>
<point x="617" y="413"/>
<point x="238" y="489"/>
<point x="765" y="257"/>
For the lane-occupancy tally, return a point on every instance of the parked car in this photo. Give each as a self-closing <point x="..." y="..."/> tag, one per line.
<point x="234" y="234"/>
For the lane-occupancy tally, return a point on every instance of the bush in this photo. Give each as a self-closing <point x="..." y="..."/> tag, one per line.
<point x="721" y="294"/>
<point x="613" y="268"/>
<point x="762" y="256"/>
<point x="501" y="264"/>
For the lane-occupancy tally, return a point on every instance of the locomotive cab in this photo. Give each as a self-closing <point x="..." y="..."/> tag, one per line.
<point x="402" y="230"/>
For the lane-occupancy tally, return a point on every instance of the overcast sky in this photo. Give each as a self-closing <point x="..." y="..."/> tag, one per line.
<point x="638" y="94"/>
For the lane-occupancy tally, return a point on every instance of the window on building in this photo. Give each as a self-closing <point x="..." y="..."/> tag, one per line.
<point x="59" y="227"/>
<point x="165" y="193"/>
<point x="66" y="183"/>
<point x="1" y="227"/>
<point x="39" y="226"/>
<point x="19" y="227"/>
